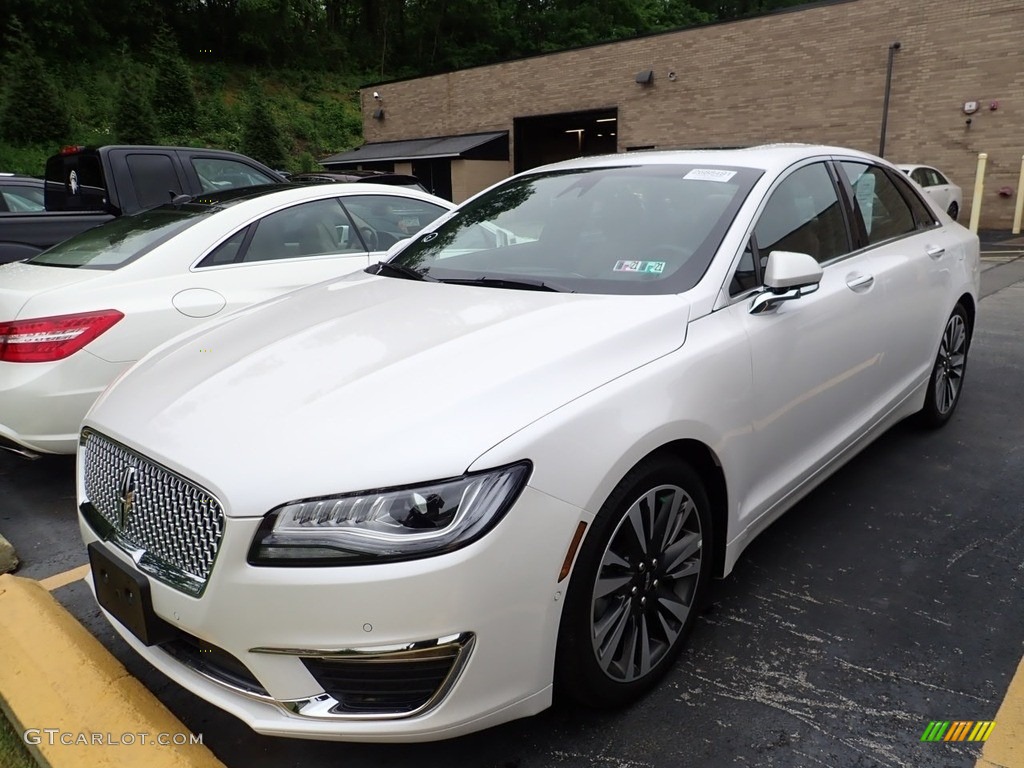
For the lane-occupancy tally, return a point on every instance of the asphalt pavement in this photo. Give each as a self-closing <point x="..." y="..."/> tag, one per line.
<point x="888" y="598"/>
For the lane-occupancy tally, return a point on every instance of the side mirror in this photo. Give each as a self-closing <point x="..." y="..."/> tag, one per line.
<point x="788" y="276"/>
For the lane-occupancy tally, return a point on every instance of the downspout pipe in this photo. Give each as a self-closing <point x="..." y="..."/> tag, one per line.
<point x="888" y="90"/>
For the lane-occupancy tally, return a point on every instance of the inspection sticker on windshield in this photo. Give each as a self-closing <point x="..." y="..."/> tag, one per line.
<point x="709" y="174"/>
<point x="650" y="267"/>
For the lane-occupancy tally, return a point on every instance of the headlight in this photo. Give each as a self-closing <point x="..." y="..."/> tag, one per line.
<point x="388" y="524"/>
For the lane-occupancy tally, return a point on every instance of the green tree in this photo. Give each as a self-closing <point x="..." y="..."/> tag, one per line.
<point x="261" y="134"/>
<point x="174" y="99"/>
<point x="134" y="119"/>
<point x="33" y="111"/>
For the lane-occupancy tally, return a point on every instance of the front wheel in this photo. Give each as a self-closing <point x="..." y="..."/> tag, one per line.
<point x="947" y="379"/>
<point x="637" y="586"/>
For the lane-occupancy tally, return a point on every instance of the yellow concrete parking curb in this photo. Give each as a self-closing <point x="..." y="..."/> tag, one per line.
<point x="76" y="703"/>
<point x="1005" y="748"/>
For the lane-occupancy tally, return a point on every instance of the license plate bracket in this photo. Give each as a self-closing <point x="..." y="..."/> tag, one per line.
<point x="125" y="594"/>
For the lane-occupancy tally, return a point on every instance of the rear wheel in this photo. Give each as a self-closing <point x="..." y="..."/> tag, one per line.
<point x="637" y="586"/>
<point x="953" y="211"/>
<point x="947" y="379"/>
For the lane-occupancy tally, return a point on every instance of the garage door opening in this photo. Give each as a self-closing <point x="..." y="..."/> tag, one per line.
<point x="550" y="138"/>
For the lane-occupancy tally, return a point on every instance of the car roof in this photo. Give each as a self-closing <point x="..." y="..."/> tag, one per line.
<point x="297" y="193"/>
<point x="768" y="157"/>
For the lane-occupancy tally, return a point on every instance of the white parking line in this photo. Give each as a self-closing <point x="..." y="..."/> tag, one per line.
<point x="59" y="580"/>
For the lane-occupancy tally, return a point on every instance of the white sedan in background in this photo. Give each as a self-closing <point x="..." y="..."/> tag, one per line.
<point x="72" y="318"/>
<point x="409" y="503"/>
<point x="947" y="195"/>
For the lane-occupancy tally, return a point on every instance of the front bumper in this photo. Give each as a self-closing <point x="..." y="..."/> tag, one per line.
<point x="500" y="595"/>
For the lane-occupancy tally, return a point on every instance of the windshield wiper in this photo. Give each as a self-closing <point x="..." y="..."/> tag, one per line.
<point x="522" y="285"/>
<point x="402" y="271"/>
<point x="501" y="282"/>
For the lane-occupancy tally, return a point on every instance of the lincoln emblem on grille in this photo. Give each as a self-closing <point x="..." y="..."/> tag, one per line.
<point x="126" y="495"/>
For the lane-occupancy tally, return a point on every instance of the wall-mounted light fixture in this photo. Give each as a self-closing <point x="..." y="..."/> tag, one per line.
<point x="646" y="77"/>
<point x="378" y="114"/>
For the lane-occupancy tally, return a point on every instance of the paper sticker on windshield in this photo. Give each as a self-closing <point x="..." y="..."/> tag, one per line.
<point x="648" y="267"/>
<point x="709" y="174"/>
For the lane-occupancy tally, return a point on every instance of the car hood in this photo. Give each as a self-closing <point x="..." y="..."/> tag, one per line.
<point x="20" y="281"/>
<point x="367" y="382"/>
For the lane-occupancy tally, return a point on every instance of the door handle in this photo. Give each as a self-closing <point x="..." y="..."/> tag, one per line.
<point x="859" y="282"/>
<point x="935" y="251"/>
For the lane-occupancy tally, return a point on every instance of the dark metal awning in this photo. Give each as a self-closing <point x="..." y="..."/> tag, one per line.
<point x="483" y="146"/>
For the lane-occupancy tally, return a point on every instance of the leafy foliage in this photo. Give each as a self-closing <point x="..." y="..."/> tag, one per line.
<point x="174" y="100"/>
<point x="32" y="109"/>
<point x="134" y="120"/>
<point x="262" y="138"/>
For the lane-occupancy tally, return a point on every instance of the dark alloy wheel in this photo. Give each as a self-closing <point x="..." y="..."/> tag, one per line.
<point x="947" y="379"/>
<point x="953" y="211"/>
<point x="637" y="586"/>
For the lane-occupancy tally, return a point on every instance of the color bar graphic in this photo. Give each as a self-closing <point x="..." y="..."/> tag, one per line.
<point x="958" y="730"/>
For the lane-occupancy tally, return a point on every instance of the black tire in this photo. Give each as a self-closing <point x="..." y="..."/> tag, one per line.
<point x="953" y="211"/>
<point x="670" y="589"/>
<point x="946" y="382"/>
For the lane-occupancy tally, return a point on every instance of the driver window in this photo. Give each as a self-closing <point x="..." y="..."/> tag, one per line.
<point x="804" y="215"/>
<point x="746" y="275"/>
<point x="383" y="220"/>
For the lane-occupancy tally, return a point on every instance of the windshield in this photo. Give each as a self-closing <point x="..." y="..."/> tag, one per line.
<point x="123" y="239"/>
<point x="640" y="229"/>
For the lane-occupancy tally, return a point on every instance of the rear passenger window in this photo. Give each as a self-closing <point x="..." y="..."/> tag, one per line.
<point x="226" y="252"/>
<point x="886" y="214"/>
<point x="922" y="213"/>
<point x="155" y="179"/>
<point x="316" y="228"/>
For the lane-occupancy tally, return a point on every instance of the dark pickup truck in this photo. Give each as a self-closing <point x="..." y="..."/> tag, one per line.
<point x="86" y="186"/>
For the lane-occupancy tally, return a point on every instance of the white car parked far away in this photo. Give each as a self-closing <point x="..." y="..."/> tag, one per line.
<point x="947" y="195"/>
<point x="73" y="317"/>
<point x="410" y="503"/>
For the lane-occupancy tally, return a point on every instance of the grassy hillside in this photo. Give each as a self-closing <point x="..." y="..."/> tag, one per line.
<point x="317" y="113"/>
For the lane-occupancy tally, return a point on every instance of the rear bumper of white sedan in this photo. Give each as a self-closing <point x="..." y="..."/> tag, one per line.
<point x="42" y="404"/>
<point x="336" y="652"/>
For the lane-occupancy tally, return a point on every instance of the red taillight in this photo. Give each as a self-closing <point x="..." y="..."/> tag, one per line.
<point x="71" y="149"/>
<point x="45" y="339"/>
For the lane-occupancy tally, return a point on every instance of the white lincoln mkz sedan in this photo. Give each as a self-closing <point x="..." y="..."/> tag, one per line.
<point x="418" y="500"/>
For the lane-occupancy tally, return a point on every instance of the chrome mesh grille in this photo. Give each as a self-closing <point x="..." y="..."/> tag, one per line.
<point x="171" y="518"/>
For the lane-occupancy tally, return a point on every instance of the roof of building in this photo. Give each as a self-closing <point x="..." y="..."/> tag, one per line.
<point x="416" y="149"/>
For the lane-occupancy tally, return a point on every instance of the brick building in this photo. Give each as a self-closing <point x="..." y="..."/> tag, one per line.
<point x="815" y="73"/>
